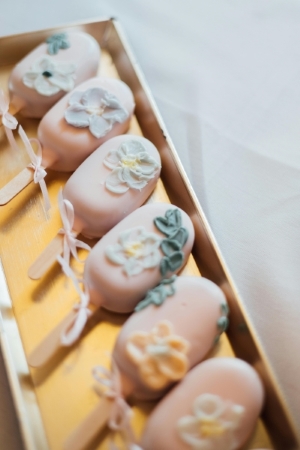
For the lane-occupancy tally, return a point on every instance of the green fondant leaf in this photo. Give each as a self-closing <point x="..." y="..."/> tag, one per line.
<point x="175" y="261"/>
<point x="169" y="281"/>
<point x="223" y="323"/>
<point x="158" y="295"/>
<point x="216" y="339"/>
<point x="56" y="42"/>
<point x="169" y="246"/>
<point x="225" y="309"/>
<point x="164" y="266"/>
<point x="169" y="224"/>
<point x="174" y="217"/>
<point x="162" y="224"/>
<point x="181" y="236"/>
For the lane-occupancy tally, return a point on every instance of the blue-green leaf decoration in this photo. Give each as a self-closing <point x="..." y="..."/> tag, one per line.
<point x="158" y="295"/>
<point x="225" y="309"/>
<point x="169" y="224"/>
<point x="223" y="323"/>
<point x="56" y="42"/>
<point x="171" y="263"/>
<point x="181" y="236"/>
<point x="169" y="246"/>
<point x="177" y="236"/>
<point x="164" y="266"/>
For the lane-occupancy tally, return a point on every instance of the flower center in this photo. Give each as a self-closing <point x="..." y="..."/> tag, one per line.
<point x="47" y="74"/>
<point x="133" y="249"/>
<point x="95" y="110"/>
<point x="129" y="161"/>
<point x="210" y="427"/>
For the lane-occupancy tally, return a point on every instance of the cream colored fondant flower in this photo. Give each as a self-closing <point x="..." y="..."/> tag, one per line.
<point x="48" y="77"/>
<point x="132" y="167"/>
<point x="213" y="424"/>
<point x="160" y="355"/>
<point x="136" y="250"/>
<point x="95" y="108"/>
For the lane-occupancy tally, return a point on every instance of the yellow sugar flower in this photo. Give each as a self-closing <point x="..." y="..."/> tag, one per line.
<point x="160" y="355"/>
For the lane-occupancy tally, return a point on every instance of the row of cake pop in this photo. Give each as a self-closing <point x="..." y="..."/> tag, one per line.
<point x="217" y="402"/>
<point x="76" y="124"/>
<point x="101" y="114"/>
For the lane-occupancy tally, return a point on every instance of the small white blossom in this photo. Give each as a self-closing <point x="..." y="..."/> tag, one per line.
<point x="213" y="424"/>
<point x="95" y="108"/>
<point x="136" y="250"/>
<point x="132" y="167"/>
<point x="48" y="77"/>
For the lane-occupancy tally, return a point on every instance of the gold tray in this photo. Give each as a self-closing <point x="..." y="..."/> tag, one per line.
<point x="52" y="401"/>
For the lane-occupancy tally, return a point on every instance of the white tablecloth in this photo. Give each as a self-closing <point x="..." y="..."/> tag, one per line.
<point x="226" y="77"/>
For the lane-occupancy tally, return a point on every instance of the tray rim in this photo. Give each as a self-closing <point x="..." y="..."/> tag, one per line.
<point x="4" y="344"/>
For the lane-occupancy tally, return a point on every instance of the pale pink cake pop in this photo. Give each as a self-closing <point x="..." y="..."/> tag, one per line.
<point x="126" y="262"/>
<point x="82" y="120"/>
<point x="112" y="182"/>
<point x="42" y="77"/>
<point x="185" y="325"/>
<point x="150" y="244"/>
<point x="177" y="324"/>
<point x="215" y="407"/>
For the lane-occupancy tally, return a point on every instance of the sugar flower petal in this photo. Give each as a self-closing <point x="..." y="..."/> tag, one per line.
<point x="77" y="116"/>
<point x="99" y="127"/>
<point x="49" y="77"/>
<point x="158" y="364"/>
<point x="103" y="108"/>
<point x="135" y="166"/>
<point x="213" y="425"/>
<point x="44" y="87"/>
<point x="136" y="250"/>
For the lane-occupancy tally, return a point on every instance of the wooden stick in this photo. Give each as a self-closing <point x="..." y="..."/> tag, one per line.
<point x="52" y="342"/>
<point x="48" y="257"/>
<point x="16" y="185"/>
<point x="90" y="427"/>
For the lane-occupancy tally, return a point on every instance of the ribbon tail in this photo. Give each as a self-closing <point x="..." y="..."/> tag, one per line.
<point x="67" y="250"/>
<point x="79" y="244"/>
<point x="11" y="139"/>
<point x="45" y="194"/>
<point x="72" y="333"/>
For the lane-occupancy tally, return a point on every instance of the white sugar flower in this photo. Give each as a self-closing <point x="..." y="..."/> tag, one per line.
<point x="48" y="76"/>
<point x="95" y="108"/>
<point x="137" y="250"/>
<point x="132" y="167"/>
<point x="213" y="425"/>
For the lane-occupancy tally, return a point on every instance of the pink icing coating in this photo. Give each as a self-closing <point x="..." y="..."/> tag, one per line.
<point x="97" y="209"/>
<point x="193" y="311"/>
<point x="107" y="283"/>
<point x="65" y="147"/>
<point x="230" y="378"/>
<point x="84" y="51"/>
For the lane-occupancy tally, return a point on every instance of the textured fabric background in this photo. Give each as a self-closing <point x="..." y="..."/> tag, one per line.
<point x="225" y="75"/>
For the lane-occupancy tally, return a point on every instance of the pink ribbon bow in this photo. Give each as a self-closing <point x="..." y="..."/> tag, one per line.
<point x="9" y="121"/>
<point x="70" y="242"/>
<point x="121" y="412"/>
<point x="36" y="161"/>
<point x="74" y="330"/>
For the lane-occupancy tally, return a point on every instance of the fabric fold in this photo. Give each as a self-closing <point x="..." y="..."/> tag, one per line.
<point x="70" y="242"/>
<point x="36" y="164"/>
<point x="8" y="120"/>
<point x="73" y="331"/>
<point x="121" y="413"/>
